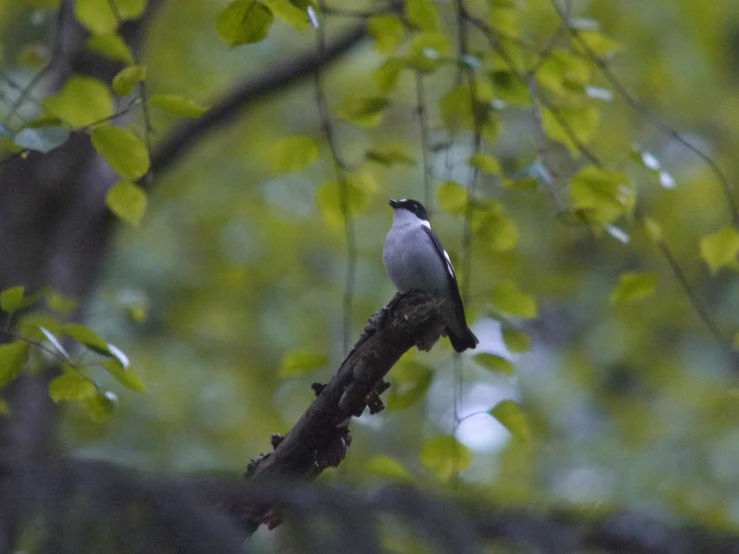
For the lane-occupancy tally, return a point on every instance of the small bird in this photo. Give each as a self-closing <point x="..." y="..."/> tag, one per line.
<point x="415" y="259"/>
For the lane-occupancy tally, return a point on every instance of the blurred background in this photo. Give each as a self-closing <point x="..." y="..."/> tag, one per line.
<point x="239" y="265"/>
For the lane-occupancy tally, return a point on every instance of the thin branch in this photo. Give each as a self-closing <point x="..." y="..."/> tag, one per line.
<point x="692" y="295"/>
<point x="341" y="169"/>
<point x="421" y="111"/>
<point x="224" y="110"/>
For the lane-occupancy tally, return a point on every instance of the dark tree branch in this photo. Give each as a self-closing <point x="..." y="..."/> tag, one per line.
<point x="321" y="436"/>
<point x="467" y="523"/>
<point x="224" y="110"/>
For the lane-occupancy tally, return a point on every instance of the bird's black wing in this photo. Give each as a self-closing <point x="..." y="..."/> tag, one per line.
<point x="453" y="286"/>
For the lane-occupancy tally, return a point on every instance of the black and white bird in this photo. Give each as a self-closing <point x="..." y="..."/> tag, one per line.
<point x="415" y="259"/>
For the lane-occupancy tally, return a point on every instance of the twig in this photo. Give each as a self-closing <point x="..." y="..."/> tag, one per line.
<point x="340" y="168"/>
<point x="421" y="111"/>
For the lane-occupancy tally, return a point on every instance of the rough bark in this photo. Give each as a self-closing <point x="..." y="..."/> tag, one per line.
<point x="321" y="436"/>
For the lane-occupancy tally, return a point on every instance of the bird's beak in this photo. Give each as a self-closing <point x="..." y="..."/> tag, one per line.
<point x="393" y="203"/>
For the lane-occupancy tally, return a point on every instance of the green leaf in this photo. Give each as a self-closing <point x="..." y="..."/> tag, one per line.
<point x="288" y="12"/>
<point x="485" y="163"/>
<point x="137" y="312"/>
<point x="510" y="415"/>
<point x="71" y="386"/>
<point x="599" y="44"/>
<point x="99" y="17"/>
<point x="4" y="407"/>
<point x="653" y="230"/>
<point x="244" y="22"/>
<point x="516" y="341"/>
<point x="452" y="197"/>
<point x="128" y="78"/>
<point x="509" y="299"/>
<point x="100" y="406"/>
<point x="12" y="357"/>
<point x="389" y="156"/>
<point x="509" y="88"/>
<point x="490" y="127"/>
<point x="445" y="456"/>
<point x="43" y="121"/>
<point x="87" y="337"/>
<point x="604" y="194"/>
<point x="427" y="51"/>
<point x="111" y="46"/>
<point x="119" y="355"/>
<point x="564" y="73"/>
<point x="505" y="21"/>
<point x="494" y="362"/>
<point x="12" y="298"/>
<point x="178" y="105"/>
<point x="580" y="123"/>
<point x="82" y="101"/>
<point x="497" y="232"/>
<point x="363" y="111"/>
<point x="123" y="150"/>
<point x="31" y="299"/>
<point x="29" y="325"/>
<point x="386" y="77"/>
<point x="423" y="14"/>
<point x="388" y="31"/>
<point x="387" y="467"/>
<point x="295" y="154"/>
<point x="41" y="139"/>
<point x="60" y="303"/>
<point x="54" y="342"/>
<point x="328" y="200"/>
<point x="410" y="382"/>
<point x="301" y="362"/>
<point x="456" y="109"/>
<point x="128" y="201"/>
<point x="634" y="286"/>
<point x="124" y="375"/>
<point x="720" y="249"/>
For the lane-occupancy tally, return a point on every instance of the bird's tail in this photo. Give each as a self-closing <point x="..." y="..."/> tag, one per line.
<point x="463" y="342"/>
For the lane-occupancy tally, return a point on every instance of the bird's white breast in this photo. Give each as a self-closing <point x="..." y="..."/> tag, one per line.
<point x="411" y="260"/>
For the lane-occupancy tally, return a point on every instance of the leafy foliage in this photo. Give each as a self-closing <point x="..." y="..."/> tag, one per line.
<point x="231" y="296"/>
<point x="244" y="22"/>
<point x="128" y="201"/>
<point x="122" y="149"/>
<point x="178" y="105"/>
<point x="445" y="456"/>
<point x="81" y="102"/>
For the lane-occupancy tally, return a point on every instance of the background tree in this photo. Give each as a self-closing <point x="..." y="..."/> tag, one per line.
<point x="204" y="185"/>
